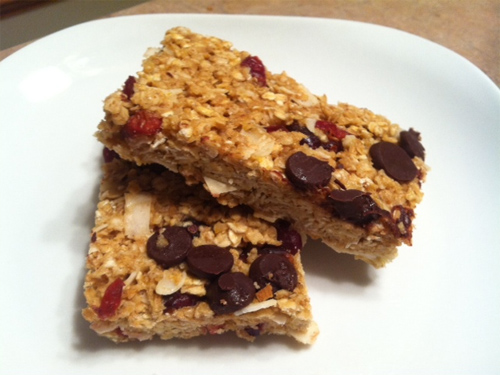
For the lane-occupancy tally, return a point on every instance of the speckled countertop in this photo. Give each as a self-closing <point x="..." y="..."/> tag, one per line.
<point x="470" y="28"/>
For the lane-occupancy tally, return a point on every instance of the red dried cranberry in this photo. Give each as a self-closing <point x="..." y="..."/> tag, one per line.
<point x="291" y="240"/>
<point x="111" y="300"/>
<point x="312" y="141"/>
<point x="179" y="300"/>
<point x="276" y="128"/>
<point x="193" y="230"/>
<point x="257" y="69"/>
<point x="128" y="88"/>
<point x="142" y="123"/>
<point x="254" y="332"/>
<point x="109" y="155"/>
<point x="331" y="130"/>
<point x="333" y="145"/>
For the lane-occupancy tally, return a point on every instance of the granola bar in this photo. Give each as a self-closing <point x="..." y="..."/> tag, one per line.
<point x="216" y="115"/>
<point x="167" y="260"/>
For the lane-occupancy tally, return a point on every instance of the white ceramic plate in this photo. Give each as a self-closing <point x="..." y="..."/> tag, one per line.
<point x="435" y="309"/>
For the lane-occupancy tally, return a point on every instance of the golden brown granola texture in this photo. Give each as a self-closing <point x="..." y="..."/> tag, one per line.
<point x="134" y="202"/>
<point x="215" y="121"/>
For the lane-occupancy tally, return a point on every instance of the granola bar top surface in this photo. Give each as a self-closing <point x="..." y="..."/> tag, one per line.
<point x="208" y="101"/>
<point x="138" y="287"/>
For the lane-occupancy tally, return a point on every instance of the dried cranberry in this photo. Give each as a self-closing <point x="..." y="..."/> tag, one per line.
<point x="274" y="269"/>
<point x="257" y="69"/>
<point x="179" y="300"/>
<point x="296" y="127"/>
<point x="276" y="128"/>
<point x="109" y="155"/>
<point x="128" y="88"/>
<point x="312" y="141"/>
<point x="291" y="240"/>
<point x="333" y="145"/>
<point x="194" y="230"/>
<point x="254" y="332"/>
<point x="142" y="123"/>
<point x="331" y="130"/>
<point x="111" y="300"/>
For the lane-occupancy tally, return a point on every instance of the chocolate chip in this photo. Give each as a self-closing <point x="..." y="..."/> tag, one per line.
<point x="354" y="205"/>
<point x="208" y="261"/>
<point x="410" y="142"/>
<point x="402" y="217"/>
<point x="230" y="292"/>
<point x="394" y="161"/>
<point x="169" y="246"/>
<point x="274" y="269"/>
<point x="306" y="172"/>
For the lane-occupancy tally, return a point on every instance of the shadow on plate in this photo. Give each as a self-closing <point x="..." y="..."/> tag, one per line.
<point x="321" y="261"/>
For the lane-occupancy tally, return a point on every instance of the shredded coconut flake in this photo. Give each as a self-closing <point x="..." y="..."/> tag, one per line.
<point x="137" y="215"/>
<point x="216" y="187"/>
<point x="256" y="306"/>
<point x="173" y="279"/>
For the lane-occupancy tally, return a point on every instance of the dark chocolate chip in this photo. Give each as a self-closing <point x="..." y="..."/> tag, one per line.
<point x="274" y="269"/>
<point x="208" y="261"/>
<point x="169" y="246"/>
<point x="394" y="161"/>
<point x="230" y="292"/>
<point x="402" y="217"/>
<point x="354" y="205"/>
<point x="306" y="172"/>
<point x="410" y="142"/>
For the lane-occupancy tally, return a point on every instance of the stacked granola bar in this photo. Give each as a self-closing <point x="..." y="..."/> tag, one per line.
<point x="281" y="159"/>
<point x="167" y="260"/>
